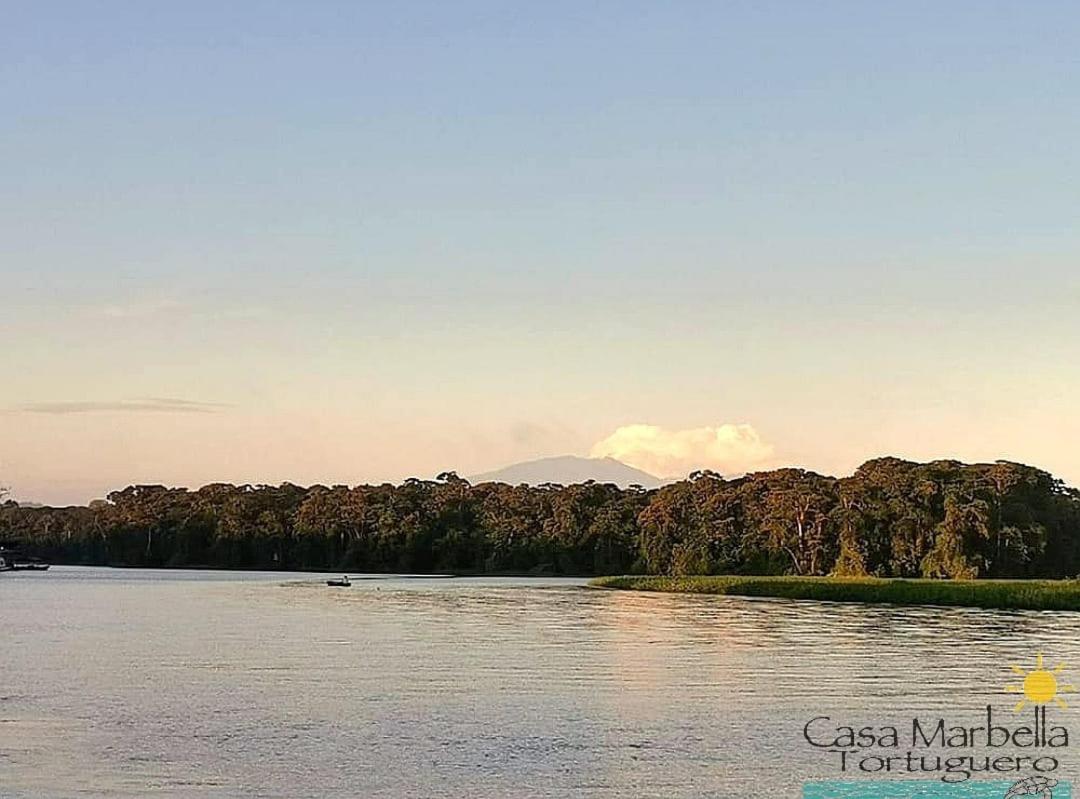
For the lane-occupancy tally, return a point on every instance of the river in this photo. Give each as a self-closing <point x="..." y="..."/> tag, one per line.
<point x="133" y="683"/>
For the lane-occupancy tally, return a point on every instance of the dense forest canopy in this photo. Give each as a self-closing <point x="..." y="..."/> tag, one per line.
<point x="891" y="518"/>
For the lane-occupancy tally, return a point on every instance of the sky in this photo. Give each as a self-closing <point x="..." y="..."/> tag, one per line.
<point x="354" y="242"/>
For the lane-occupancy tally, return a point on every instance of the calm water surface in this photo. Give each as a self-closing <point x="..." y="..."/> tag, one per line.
<point x="209" y="684"/>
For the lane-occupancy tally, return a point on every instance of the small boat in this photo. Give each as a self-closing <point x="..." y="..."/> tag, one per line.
<point x="342" y="583"/>
<point x="13" y="559"/>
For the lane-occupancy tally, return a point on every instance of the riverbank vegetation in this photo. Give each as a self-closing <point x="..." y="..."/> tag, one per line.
<point x="1001" y="594"/>
<point x="891" y="518"/>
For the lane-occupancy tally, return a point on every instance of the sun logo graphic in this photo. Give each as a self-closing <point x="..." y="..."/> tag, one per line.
<point x="1040" y="685"/>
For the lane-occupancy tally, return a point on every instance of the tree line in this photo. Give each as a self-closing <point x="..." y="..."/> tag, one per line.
<point x="890" y="518"/>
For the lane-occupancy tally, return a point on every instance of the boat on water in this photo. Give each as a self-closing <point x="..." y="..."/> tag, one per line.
<point x="14" y="559"/>
<point x="342" y="583"/>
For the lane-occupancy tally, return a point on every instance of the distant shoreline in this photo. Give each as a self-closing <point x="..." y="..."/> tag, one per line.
<point x="351" y="572"/>
<point x="986" y="594"/>
<point x="894" y="518"/>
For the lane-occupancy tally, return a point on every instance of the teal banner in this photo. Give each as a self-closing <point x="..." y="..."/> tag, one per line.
<point x="1033" y="788"/>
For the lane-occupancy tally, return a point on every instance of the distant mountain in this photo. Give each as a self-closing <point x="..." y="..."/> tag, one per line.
<point x="569" y="469"/>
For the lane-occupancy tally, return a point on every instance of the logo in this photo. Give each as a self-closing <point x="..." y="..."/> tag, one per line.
<point x="996" y="757"/>
<point x="1027" y="788"/>
<point x="1042" y="786"/>
<point x="1040" y="685"/>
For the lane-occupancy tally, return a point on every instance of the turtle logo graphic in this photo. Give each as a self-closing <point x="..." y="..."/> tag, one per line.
<point x="1041" y="787"/>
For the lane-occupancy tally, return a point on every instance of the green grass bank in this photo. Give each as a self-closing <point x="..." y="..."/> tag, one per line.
<point x="992" y="594"/>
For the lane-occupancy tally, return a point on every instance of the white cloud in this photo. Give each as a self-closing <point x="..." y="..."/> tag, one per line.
<point x="728" y="449"/>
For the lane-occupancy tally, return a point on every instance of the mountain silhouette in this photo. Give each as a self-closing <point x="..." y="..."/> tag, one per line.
<point x="568" y="469"/>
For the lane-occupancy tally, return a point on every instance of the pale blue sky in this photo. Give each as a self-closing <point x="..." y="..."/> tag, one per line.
<point x="389" y="239"/>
